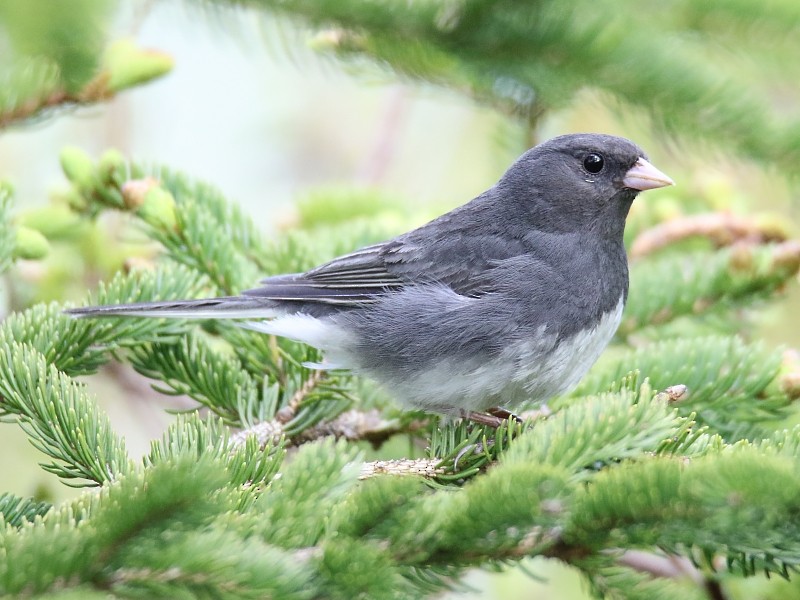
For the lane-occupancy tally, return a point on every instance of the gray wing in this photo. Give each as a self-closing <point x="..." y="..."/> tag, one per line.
<point x="458" y="259"/>
<point x="350" y="280"/>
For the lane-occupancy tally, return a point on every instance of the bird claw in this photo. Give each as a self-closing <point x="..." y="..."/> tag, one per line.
<point x="504" y="414"/>
<point x="474" y="448"/>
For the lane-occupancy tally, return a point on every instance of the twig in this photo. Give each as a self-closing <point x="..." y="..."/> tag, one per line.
<point x="287" y="413"/>
<point x="95" y="91"/>
<point x="723" y="229"/>
<point x="270" y="432"/>
<point x="422" y="467"/>
<point x="351" y="425"/>
<point x="671" y="567"/>
<point x="661" y="566"/>
<point x="789" y="379"/>
<point x="265" y="432"/>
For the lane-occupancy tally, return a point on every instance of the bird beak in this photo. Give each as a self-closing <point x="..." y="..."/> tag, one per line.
<point x="644" y="176"/>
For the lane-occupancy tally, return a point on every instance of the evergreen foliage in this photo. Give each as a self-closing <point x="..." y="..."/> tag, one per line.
<point x="678" y="443"/>
<point x="674" y="61"/>
<point x="59" y="59"/>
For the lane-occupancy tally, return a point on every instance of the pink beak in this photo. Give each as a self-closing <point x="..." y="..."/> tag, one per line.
<point x="644" y="176"/>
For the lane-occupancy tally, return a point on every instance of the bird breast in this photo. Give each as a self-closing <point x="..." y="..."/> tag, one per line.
<point x="530" y="370"/>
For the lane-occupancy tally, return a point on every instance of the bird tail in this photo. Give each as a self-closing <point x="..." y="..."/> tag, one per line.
<point x="228" y="307"/>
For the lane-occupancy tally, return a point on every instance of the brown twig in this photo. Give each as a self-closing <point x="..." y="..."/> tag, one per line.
<point x="94" y="91"/>
<point x="723" y="229"/>
<point x="351" y="425"/>
<point x="287" y="413"/>
<point x="789" y="379"/>
<point x="661" y="566"/>
<point x="270" y="432"/>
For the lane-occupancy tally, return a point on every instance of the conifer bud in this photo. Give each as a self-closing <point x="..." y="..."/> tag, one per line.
<point x="30" y="244"/>
<point x="77" y="165"/>
<point x="150" y="201"/>
<point x="129" y="65"/>
<point x="158" y="208"/>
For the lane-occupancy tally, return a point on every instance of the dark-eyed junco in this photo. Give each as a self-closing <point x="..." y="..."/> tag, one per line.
<point x="508" y="298"/>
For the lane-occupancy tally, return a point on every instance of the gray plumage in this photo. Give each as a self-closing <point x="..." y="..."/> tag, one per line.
<point x="510" y="297"/>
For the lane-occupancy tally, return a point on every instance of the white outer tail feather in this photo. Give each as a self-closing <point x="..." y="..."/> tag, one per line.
<point x="320" y="333"/>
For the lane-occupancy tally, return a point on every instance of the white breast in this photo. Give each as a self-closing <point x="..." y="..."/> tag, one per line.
<point x="531" y="370"/>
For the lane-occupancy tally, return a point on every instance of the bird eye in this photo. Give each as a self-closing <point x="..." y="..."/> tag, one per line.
<point x="593" y="163"/>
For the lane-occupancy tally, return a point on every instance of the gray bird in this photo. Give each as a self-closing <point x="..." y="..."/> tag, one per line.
<point x="506" y="299"/>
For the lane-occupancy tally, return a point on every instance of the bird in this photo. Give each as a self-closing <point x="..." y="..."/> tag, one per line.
<point x="506" y="300"/>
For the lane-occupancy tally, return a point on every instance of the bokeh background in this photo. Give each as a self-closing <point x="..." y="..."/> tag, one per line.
<point x="254" y="108"/>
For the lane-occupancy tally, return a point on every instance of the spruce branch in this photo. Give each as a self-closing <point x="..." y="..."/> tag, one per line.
<point x="667" y="287"/>
<point x="79" y="347"/>
<point x="214" y="239"/>
<point x="32" y="87"/>
<point x="193" y="222"/>
<point x="599" y="430"/>
<point x="294" y="512"/>
<point x="247" y="463"/>
<point x="43" y="348"/>
<point x="525" y="58"/>
<point x="193" y="368"/>
<point x="77" y="543"/>
<point x="698" y="508"/>
<point x="721" y="228"/>
<point x="731" y="386"/>
<point x="210" y="562"/>
<point x="353" y="425"/>
<point x="59" y="418"/>
<point x="196" y="226"/>
<point x="15" y="511"/>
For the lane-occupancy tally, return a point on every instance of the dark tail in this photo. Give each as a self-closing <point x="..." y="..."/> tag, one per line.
<point x="228" y="307"/>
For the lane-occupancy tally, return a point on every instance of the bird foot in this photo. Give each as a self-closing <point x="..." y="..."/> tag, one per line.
<point x="504" y="414"/>
<point x="468" y="449"/>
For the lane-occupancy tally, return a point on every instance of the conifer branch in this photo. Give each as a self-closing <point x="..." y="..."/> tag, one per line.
<point x="738" y="391"/>
<point x="14" y="511"/>
<point x="665" y="449"/>
<point x="353" y="425"/>
<point x="428" y="468"/>
<point x="789" y="378"/>
<point x="289" y="410"/>
<point x="722" y="229"/>
<point x="526" y="58"/>
<point x="59" y="419"/>
<point x="667" y="287"/>
<point x="201" y="230"/>
<point x="34" y="87"/>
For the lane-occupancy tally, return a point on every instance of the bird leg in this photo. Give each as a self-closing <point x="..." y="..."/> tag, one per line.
<point x="493" y="417"/>
<point x="482" y="418"/>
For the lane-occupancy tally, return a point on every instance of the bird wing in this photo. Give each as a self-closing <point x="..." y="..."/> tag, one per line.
<point x="353" y="279"/>
<point x="459" y="260"/>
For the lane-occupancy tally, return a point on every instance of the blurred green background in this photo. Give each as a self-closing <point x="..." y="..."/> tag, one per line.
<point x="253" y="108"/>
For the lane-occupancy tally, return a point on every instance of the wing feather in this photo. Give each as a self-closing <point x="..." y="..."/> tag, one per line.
<point x="456" y="252"/>
<point x="353" y="279"/>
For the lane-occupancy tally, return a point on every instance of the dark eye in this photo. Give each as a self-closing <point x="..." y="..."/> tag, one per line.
<point x="593" y="163"/>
